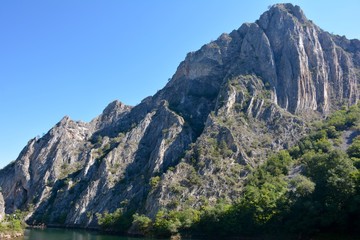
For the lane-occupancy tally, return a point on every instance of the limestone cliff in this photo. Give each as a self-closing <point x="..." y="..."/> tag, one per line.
<point x="2" y="208"/>
<point x="228" y="106"/>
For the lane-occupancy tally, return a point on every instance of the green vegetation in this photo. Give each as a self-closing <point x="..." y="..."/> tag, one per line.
<point x="154" y="181"/>
<point x="142" y="224"/>
<point x="310" y="189"/>
<point x="13" y="223"/>
<point x="168" y="223"/>
<point x="114" y="222"/>
<point x="66" y="169"/>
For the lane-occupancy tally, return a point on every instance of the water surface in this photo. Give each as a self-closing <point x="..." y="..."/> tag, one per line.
<point x="70" y="234"/>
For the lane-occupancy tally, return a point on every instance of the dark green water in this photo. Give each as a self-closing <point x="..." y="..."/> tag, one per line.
<point x="69" y="234"/>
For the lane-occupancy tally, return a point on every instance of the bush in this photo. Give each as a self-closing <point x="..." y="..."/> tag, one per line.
<point x="331" y="132"/>
<point x="116" y="221"/>
<point x="142" y="224"/>
<point x="168" y="223"/>
<point x="301" y="186"/>
<point x="165" y="224"/>
<point x="13" y="222"/>
<point x="354" y="149"/>
<point x="154" y="181"/>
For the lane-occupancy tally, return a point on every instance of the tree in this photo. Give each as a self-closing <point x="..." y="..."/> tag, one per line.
<point x="354" y="149"/>
<point x="142" y="224"/>
<point x="332" y="173"/>
<point x="116" y="221"/>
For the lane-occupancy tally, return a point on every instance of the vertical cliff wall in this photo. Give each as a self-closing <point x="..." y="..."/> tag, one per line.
<point x="228" y="106"/>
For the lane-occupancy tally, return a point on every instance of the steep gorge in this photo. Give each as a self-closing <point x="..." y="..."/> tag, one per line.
<point x="228" y="106"/>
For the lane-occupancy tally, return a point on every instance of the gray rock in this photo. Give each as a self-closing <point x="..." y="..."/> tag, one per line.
<point x="228" y="106"/>
<point x="2" y="207"/>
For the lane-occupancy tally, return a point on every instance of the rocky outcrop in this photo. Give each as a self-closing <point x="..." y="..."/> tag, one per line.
<point x="2" y="207"/>
<point x="227" y="107"/>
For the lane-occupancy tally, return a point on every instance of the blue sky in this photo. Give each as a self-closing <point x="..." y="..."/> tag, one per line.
<point x="73" y="57"/>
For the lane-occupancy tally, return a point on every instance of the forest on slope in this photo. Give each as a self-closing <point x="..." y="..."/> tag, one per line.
<point x="311" y="188"/>
<point x="204" y="153"/>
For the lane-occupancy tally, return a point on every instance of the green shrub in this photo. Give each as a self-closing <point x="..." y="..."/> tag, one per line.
<point x="154" y="182"/>
<point x="116" y="221"/>
<point x="142" y="224"/>
<point x="13" y="222"/>
<point x="302" y="186"/>
<point x="168" y="223"/>
<point x="165" y="224"/>
<point x="354" y="149"/>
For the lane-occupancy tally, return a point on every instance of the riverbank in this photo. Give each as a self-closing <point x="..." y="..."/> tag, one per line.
<point x="13" y="225"/>
<point x="11" y="235"/>
<point x="11" y="230"/>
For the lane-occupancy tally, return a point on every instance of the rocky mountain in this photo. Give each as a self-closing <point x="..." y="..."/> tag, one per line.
<point x="228" y="106"/>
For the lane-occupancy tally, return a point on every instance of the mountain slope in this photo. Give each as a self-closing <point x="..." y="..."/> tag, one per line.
<point x="229" y="105"/>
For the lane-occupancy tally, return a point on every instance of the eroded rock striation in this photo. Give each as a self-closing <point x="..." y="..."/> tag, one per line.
<point x="228" y="106"/>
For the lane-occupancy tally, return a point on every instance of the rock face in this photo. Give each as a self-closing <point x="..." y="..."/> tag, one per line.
<point x="228" y="106"/>
<point x="2" y="207"/>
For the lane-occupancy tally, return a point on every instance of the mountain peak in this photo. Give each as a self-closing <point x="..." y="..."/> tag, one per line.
<point x="288" y="8"/>
<point x="229" y="105"/>
<point x="283" y="14"/>
<point x="64" y="120"/>
<point x="114" y="106"/>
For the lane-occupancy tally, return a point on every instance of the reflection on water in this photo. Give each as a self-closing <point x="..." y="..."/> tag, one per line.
<point x="69" y="234"/>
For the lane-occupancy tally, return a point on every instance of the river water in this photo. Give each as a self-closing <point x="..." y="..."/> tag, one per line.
<point x="70" y="234"/>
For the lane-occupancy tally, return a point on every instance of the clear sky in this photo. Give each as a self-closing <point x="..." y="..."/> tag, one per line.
<point x="73" y="57"/>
